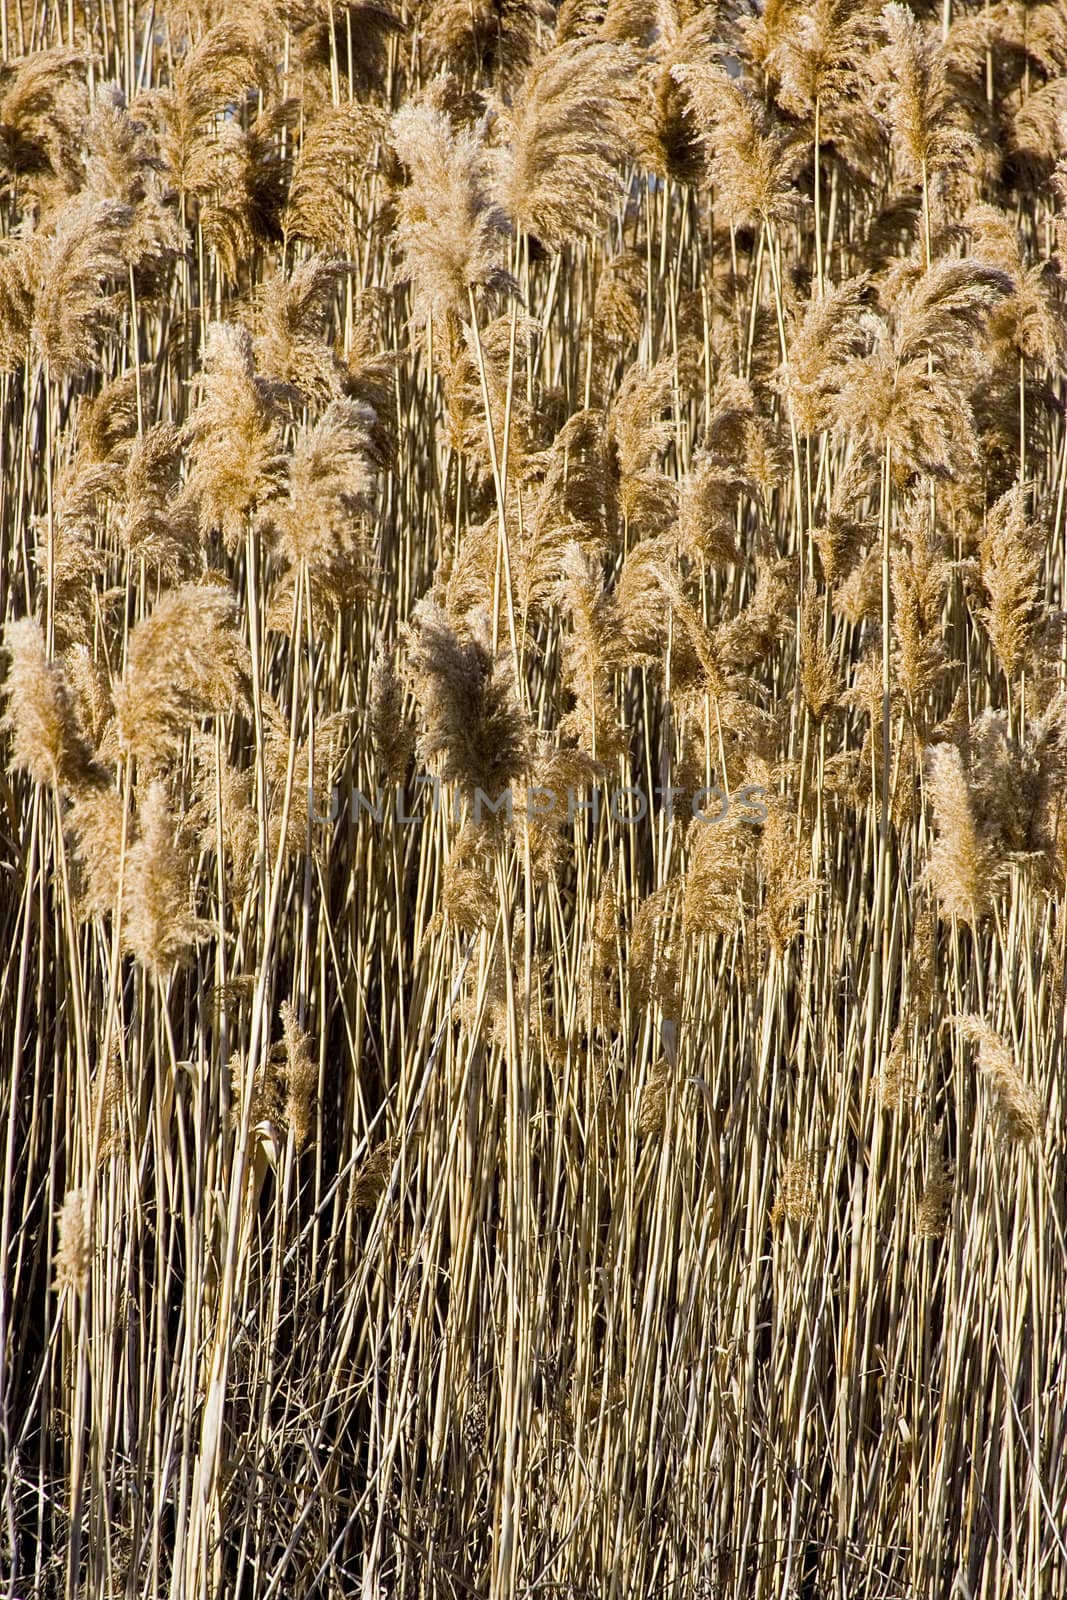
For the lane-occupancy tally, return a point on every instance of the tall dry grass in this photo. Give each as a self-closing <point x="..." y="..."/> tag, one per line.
<point x="558" y="400"/>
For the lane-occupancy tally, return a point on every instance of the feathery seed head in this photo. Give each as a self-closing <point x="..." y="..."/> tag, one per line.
<point x="448" y="234"/>
<point x="833" y="331"/>
<point x="391" y="729"/>
<point x="19" y="257"/>
<point x="234" y="434"/>
<point x="471" y="722"/>
<point x="720" y="878"/>
<point x="159" y="927"/>
<point x="330" y="486"/>
<point x="158" y="523"/>
<point x="340" y="152"/>
<point x="43" y="104"/>
<point x="95" y="820"/>
<point x="123" y="166"/>
<point x="74" y="1254"/>
<point x="787" y="886"/>
<point x="581" y="594"/>
<point x="751" y="165"/>
<point x="186" y="661"/>
<point x="47" y="738"/>
<point x="1012" y="556"/>
<point x="935" y="1203"/>
<point x="912" y="83"/>
<point x="1017" y="1105"/>
<point x="797" y="1196"/>
<point x="818" y="677"/>
<point x="566" y="133"/>
<point x="301" y="1075"/>
<point x="907" y="392"/>
<point x="816" y="57"/>
<point x="655" y="954"/>
<point x="494" y="39"/>
<point x="78" y="259"/>
<point x="963" y="865"/>
<point x="652" y="1106"/>
<point x="294" y="317"/>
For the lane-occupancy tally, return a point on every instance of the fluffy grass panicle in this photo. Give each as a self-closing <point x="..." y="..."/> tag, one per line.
<point x="470" y="722"/>
<point x="564" y="138"/>
<point x="47" y="739"/>
<point x="448" y="233"/>
<point x="1018" y="1108"/>
<point x="186" y="661"/>
<point x="234" y="437"/>
<point x="159" y="926"/>
<point x="74" y="1254"/>
<point x="963" y="865"/>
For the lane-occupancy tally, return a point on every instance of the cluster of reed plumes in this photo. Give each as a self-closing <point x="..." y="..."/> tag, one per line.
<point x="545" y="401"/>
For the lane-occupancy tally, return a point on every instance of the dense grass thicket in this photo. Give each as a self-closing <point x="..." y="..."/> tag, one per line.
<point x="427" y="1170"/>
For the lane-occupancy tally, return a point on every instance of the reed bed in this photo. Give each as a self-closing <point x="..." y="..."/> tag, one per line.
<point x="534" y="830"/>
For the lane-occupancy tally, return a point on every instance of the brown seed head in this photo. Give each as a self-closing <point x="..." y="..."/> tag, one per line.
<point x="74" y="1255"/>
<point x="567" y="133"/>
<point x="963" y="865"/>
<point x="1018" y="1106"/>
<point x="236" y="461"/>
<point x="79" y="258"/>
<point x="471" y="722"/>
<point x="186" y="661"/>
<point x="301" y="1076"/>
<point x="448" y="234"/>
<point x="47" y="738"/>
<point x="159" y="927"/>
